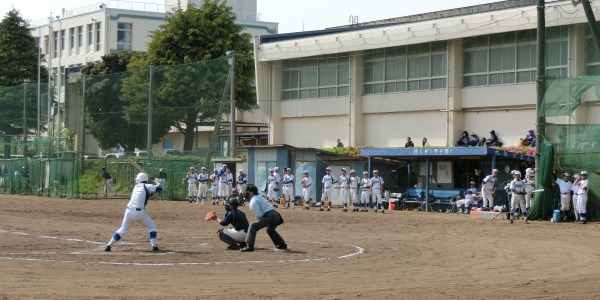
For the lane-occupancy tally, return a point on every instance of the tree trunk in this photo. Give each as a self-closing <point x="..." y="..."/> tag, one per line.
<point x="189" y="131"/>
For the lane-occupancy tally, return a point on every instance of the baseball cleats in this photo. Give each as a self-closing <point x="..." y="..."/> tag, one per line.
<point x="321" y="209"/>
<point x="247" y="249"/>
<point x="375" y="211"/>
<point x="344" y="209"/>
<point x="306" y="208"/>
<point x="510" y="222"/>
<point x="108" y="248"/>
<point x="328" y="209"/>
<point x="155" y="249"/>
<point x="233" y="247"/>
<point x="383" y="211"/>
<point x="281" y="247"/>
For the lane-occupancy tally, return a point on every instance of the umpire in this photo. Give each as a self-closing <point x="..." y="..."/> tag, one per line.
<point x="266" y="216"/>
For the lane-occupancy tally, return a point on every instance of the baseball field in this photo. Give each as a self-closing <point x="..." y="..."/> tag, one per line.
<point x="54" y="249"/>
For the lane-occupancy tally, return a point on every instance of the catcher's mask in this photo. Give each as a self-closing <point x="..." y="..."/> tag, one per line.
<point x="232" y="204"/>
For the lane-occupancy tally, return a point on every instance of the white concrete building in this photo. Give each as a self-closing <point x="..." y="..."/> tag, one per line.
<point x="81" y="35"/>
<point x="431" y="75"/>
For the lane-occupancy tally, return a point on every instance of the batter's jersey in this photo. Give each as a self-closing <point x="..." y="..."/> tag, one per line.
<point x="141" y="193"/>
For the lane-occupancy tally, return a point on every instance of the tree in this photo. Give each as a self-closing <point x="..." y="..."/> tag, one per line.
<point x="18" y="51"/>
<point x="191" y="93"/>
<point x="105" y="109"/>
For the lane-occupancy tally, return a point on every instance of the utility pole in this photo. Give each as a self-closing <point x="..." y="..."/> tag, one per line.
<point x="25" y="119"/>
<point x="232" y="137"/>
<point x="541" y="76"/>
<point x="150" y="110"/>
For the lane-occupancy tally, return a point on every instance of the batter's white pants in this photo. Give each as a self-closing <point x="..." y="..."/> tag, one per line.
<point x="564" y="202"/>
<point x="517" y="200"/>
<point x="238" y="236"/>
<point x="582" y="206"/>
<point x="575" y="206"/>
<point x="488" y="198"/>
<point x="354" y="196"/>
<point x="464" y="202"/>
<point x="344" y="193"/>
<point x="223" y="190"/>
<point x="377" y="198"/>
<point x="192" y="190"/>
<point x="528" y="199"/>
<point x="202" y="190"/>
<point x="133" y="216"/>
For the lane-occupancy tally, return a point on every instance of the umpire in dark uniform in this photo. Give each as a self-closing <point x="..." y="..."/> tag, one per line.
<point x="267" y="217"/>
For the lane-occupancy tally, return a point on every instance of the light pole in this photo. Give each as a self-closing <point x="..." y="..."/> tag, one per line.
<point x="231" y="61"/>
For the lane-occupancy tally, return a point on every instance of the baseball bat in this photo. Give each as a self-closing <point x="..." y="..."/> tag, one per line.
<point x="135" y="165"/>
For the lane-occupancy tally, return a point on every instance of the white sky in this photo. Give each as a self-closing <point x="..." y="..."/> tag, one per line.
<point x="292" y="15"/>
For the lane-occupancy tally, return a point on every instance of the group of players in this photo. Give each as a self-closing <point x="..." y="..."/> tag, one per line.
<point x="220" y="184"/>
<point x="353" y="189"/>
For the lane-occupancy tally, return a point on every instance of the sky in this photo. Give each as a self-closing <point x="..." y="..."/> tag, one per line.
<point x="292" y="15"/>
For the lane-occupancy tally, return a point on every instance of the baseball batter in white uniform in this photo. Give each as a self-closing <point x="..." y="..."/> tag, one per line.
<point x="376" y="190"/>
<point x="487" y="190"/>
<point x="584" y="185"/>
<point x="575" y="196"/>
<point x="529" y="182"/>
<point x="136" y="211"/>
<point x="224" y="184"/>
<point x="565" y="186"/>
<point x="192" y="180"/>
<point x="328" y="182"/>
<point x="344" y="189"/>
<point x="287" y="184"/>
<point x="365" y="187"/>
<point x="517" y="187"/>
<point x="272" y="184"/>
<point x="242" y="180"/>
<point x="202" y="186"/>
<point x="463" y="205"/>
<point x="306" y="186"/>
<point x="214" y="186"/>
<point x="354" y="184"/>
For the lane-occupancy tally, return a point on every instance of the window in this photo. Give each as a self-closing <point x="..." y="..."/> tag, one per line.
<point x="80" y="36"/>
<point x="407" y="68"/>
<point x="62" y="40"/>
<point x="510" y="57"/>
<point x="316" y="77"/>
<point x="72" y="38"/>
<point x="90" y="35"/>
<point x="55" y="44"/>
<point x="592" y="55"/>
<point x="98" y="36"/>
<point x="124" y="35"/>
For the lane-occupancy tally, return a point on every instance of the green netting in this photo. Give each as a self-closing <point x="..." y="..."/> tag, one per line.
<point x="43" y="177"/>
<point x="572" y="131"/>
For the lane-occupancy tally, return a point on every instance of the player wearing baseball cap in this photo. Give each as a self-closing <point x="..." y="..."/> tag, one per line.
<point x="487" y="190"/>
<point x="214" y="186"/>
<point x="344" y="189"/>
<point x="272" y="187"/>
<point x="583" y="183"/>
<point x="192" y="180"/>
<point x="328" y="182"/>
<point x="287" y="184"/>
<point x="202" y="186"/>
<point x="517" y="187"/>
<point x="564" y="185"/>
<point x="306" y="187"/>
<point x="376" y="184"/>
<point x="354" y="183"/>
<point x="365" y="186"/>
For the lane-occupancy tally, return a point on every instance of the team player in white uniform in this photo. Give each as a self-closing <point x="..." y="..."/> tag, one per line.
<point x="529" y="182"/>
<point x="306" y="186"/>
<point x="136" y="211"/>
<point x="575" y="190"/>
<point x="344" y="189"/>
<point x="287" y="184"/>
<point x="464" y="204"/>
<point x="202" y="186"/>
<point x="192" y="180"/>
<point x="354" y="184"/>
<point x="517" y="187"/>
<point x="272" y="184"/>
<point x="376" y="184"/>
<point x="242" y="181"/>
<point x="487" y="190"/>
<point x="224" y="184"/>
<point x="583" y="183"/>
<point x="365" y="187"/>
<point x="565" y="186"/>
<point x="328" y="182"/>
<point x="214" y="186"/>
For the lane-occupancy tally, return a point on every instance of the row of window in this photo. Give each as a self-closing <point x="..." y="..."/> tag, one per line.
<point x="505" y="58"/>
<point x="93" y="33"/>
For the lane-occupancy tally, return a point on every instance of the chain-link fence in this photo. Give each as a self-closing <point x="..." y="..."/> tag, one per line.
<point x="57" y="178"/>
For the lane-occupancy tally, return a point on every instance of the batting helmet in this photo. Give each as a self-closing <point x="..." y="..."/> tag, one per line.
<point x="141" y="177"/>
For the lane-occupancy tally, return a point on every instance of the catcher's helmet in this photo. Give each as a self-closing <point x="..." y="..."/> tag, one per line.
<point x="141" y="177"/>
<point x="234" y="203"/>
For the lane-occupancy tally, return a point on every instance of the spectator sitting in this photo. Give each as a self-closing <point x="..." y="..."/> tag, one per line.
<point x="425" y="142"/>
<point x="529" y="139"/>
<point x="463" y="141"/>
<point x="493" y="141"/>
<point x="339" y="144"/>
<point x="473" y="139"/>
<point x="409" y="143"/>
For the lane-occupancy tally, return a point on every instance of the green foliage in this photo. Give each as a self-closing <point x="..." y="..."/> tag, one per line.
<point x="18" y="51"/>
<point x="347" y="151"/>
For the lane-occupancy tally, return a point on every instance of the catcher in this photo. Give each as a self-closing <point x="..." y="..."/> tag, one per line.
<point x="235" y="237"/>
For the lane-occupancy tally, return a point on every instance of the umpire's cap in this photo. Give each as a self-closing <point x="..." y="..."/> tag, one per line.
<point x="252" y="188"/>
<point x="234" y="203"/>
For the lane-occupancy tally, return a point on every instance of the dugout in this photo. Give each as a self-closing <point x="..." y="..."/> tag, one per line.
<point x="263" y="158"/>
<point x="444" y="170"/>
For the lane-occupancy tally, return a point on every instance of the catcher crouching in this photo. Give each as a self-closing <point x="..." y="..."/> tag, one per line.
<point x="234" y="237"/>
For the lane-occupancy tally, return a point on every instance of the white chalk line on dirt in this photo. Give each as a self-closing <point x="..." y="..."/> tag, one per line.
<point x="357" y="251"/>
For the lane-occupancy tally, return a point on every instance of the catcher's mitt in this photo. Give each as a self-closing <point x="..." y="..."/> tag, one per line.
<point x="211" y="215"/>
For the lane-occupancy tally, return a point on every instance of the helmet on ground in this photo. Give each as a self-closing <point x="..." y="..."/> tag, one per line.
<point x="234" y="203"/>
<point x="141" y="177"/>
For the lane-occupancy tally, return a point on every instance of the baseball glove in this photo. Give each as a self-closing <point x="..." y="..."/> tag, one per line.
<point x="211" y="215"/>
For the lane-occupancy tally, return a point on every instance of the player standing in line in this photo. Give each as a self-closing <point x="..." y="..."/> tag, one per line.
<point x="214" y="186"/>
<point x="565" y="186"/>
<point x="376" y="189"/>
<point x="272" y="187"/>
<point x="192" y="180"/>
<point x="529" y="188"/>
<point x="344" y="189"/>
<point x="279" y="178"/>
<point x="202" y="186"/>
<point x="136" y="211"/>
<point x="575" y="190"/>
<point x="354" y="183"/>
<point x="306" y="185"/>
<point x="287" y="184"/>
<point x="584" y="185"/>
<point x="365" y="186"/>
<point x="108" y="183"/>
<point x="242" y="180"/>
<point x="487" y="190"/>
<point x="517" y="187"/>
<point x="464" y="204"/>
<point x="328" y="182"/>
<point x="224" y="184"/>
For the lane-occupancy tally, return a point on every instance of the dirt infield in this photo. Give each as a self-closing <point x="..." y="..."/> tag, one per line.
<point x="53" y="249"/>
